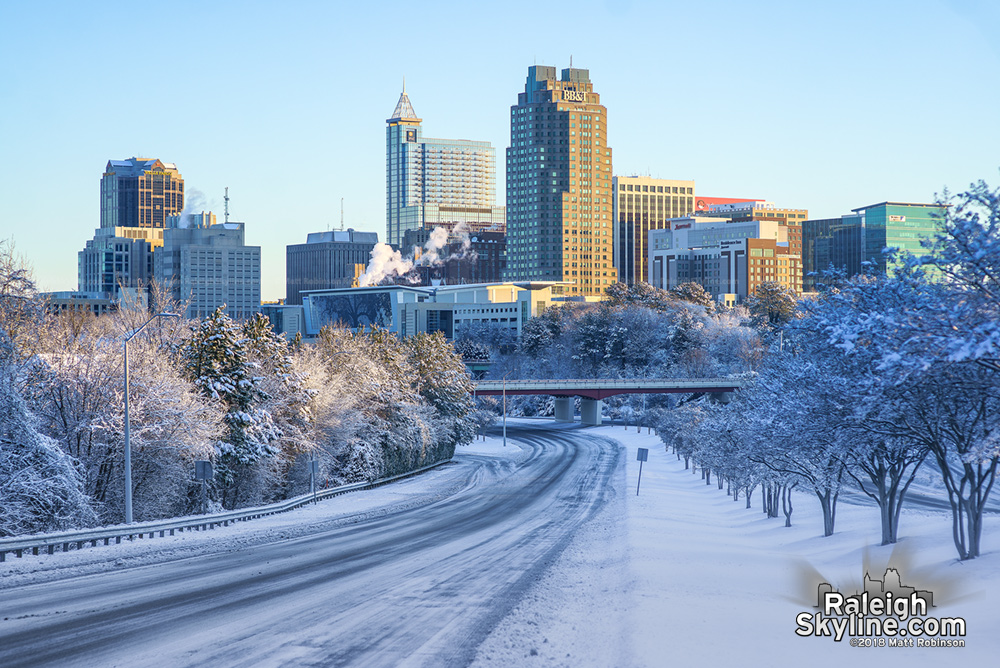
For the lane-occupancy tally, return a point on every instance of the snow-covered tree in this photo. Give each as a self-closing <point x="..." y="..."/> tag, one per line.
<point x="638" y="294"/>
<point x="953" y="411"/>
<point x="21" y="311"/>
<point x="693" y="293"/>
<point x="40" y="486"/>
<point x="75" y="387"/>
<point x="771" y="305"/>
<point x="411" y="399"/>
<point x="217" y="361"/>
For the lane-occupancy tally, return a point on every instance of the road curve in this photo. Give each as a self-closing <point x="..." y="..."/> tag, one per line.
<point x="420" y="585"/>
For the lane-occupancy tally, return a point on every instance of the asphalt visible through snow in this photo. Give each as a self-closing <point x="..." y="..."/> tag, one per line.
<point x="419" y="585"/>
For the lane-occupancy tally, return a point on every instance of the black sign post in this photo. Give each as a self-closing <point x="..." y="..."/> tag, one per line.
<point x="641" y="456"/>
<point x="203" y="472"/>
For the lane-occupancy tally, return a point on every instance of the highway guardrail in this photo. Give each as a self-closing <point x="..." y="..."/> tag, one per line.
<point x="68" y="540"/>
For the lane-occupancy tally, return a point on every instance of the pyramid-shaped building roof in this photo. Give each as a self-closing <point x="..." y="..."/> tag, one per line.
<point x="404" y="110"/>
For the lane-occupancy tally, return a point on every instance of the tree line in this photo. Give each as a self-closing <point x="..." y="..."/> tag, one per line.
<point x="880" y="383"/>
<point x="363" y="405"/>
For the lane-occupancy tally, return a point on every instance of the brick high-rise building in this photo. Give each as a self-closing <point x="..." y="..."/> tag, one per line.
<point x="140" y="193"/>
<point x="559" y="209"/>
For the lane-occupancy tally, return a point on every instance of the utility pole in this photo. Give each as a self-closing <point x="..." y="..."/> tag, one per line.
<point x="128" y="441"/>
<point x="505" y="411"/>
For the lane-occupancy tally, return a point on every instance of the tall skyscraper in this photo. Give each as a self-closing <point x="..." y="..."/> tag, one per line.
<point x="642" y="204"/>
<point x="140" y="193"/>
<point x="436" y="182"/>
<point x="137" y="195"/>
<point x="559" y="209"/>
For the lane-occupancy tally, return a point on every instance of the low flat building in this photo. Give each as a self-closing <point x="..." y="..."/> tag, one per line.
<point x="285" y="319"/>
<point x="68" y="301"/>
<point x="408" y="310"/>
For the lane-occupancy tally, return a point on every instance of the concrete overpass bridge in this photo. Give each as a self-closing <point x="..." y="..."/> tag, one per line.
<point x="592" y="391"/>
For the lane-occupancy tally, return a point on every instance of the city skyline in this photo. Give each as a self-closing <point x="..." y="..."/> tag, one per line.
<point x="823" y="108"/>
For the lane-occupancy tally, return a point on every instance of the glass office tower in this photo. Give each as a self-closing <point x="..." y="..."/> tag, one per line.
<point x="436" y="182"/>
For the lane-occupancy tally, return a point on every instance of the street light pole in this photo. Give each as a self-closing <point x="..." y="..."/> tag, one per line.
<point x="128" y="441"/>
<point x="505" y="411"/>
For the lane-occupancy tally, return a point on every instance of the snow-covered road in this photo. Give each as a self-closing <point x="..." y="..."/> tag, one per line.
<point x="417" y="582"/>
<point x="491" y="562"/>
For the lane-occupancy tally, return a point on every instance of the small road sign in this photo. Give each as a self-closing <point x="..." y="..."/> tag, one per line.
<point x="202" y="470"/>
<point x="640" y="457"/>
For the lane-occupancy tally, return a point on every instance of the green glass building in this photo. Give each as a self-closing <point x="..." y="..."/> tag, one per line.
<point x="897" y="225"/>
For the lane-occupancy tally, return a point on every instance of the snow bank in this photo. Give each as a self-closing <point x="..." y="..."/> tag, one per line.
<point x="683" y="574"/>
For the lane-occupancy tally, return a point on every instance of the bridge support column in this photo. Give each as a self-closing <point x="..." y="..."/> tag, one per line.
<point x="564" y="409"/>
<point x="721" y="397"/>
<point x="590" y="411"/>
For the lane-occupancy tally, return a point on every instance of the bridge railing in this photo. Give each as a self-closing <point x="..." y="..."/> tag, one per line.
<point x="694" y="383"/>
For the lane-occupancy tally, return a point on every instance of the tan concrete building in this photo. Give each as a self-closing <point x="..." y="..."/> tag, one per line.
<point x="728" y="259"/>
<point x="764" y="211"/>
<point x="559" y="218"/>
<point x="140" y="192"/>
<point x="641" y="204"/>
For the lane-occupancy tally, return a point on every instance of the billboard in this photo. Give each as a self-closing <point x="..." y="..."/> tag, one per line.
<point x="703" y="203"/>
<point x="354" y="310"/>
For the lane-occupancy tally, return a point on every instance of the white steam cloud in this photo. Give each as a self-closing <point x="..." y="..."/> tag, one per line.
<point x="386" y="262"/>
<point x="194" y="202"/>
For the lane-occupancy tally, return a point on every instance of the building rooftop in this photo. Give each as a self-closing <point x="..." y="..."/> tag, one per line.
<point x="404" y="110"/>
<point x="136" y="166"/>
<point x="350" y="235"/>
<point x="872" y="206"/>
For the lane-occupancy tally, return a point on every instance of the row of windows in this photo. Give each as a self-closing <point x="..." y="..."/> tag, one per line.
<point x="627" y="187"/>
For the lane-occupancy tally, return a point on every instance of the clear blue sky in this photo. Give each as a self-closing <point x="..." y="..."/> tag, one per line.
<point x="825" y="106"/>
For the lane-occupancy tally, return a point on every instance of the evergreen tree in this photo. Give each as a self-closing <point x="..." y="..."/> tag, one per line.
<point x="217" y="361"/>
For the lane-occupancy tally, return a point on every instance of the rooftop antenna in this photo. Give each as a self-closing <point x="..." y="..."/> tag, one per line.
<point x="571" y="60"/>
<point x="227" y="203"/>
<point x="404" y="85"/>
<point x="342" y="210"/>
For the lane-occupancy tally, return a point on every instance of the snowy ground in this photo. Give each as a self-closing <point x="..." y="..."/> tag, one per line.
<point x="678" y="573"/>
<point x="682" y="573"/>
